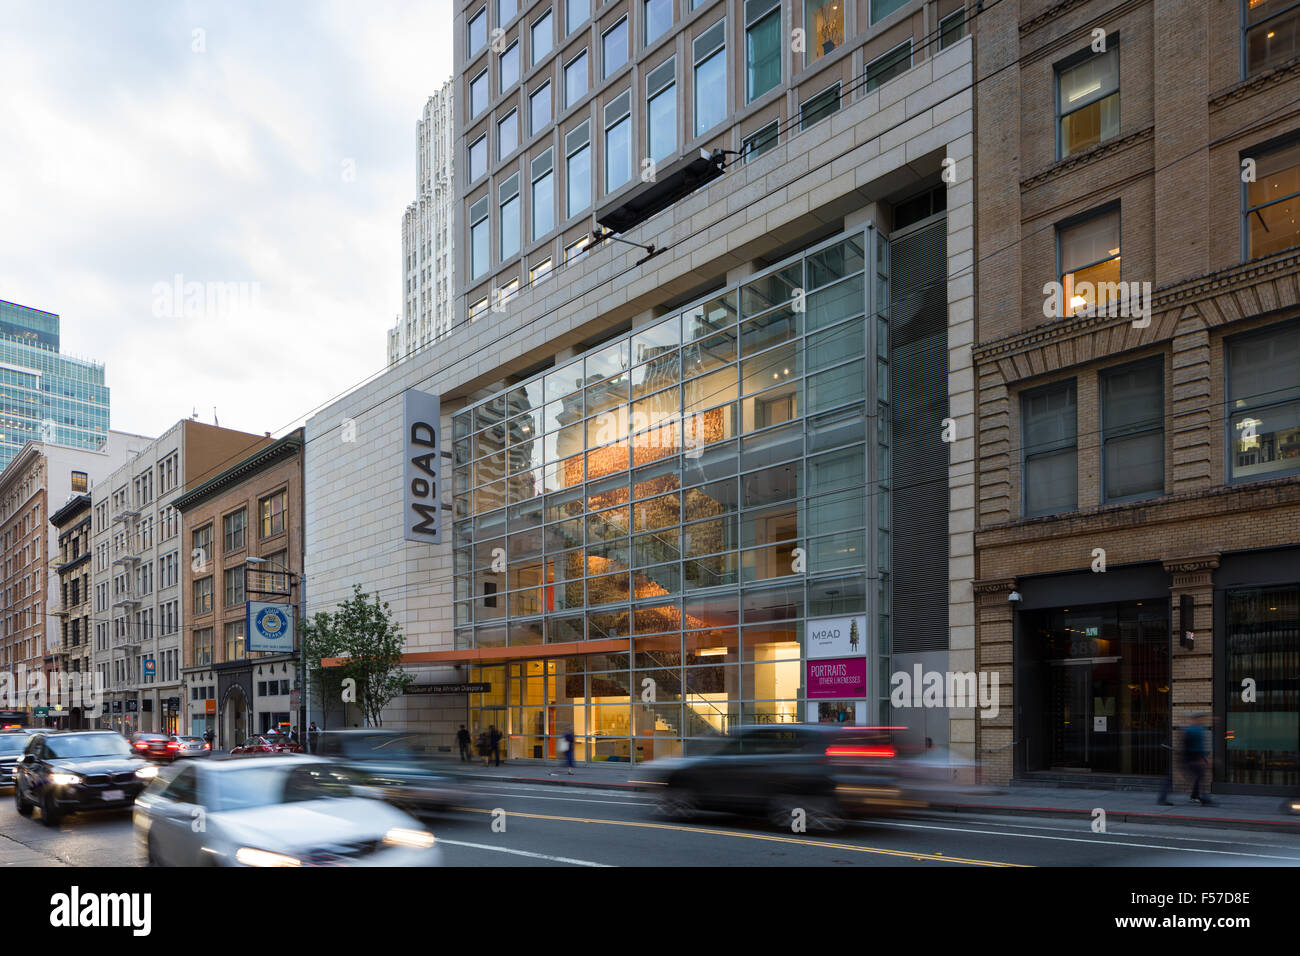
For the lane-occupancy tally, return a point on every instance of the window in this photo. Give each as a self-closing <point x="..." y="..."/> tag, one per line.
<point x="658" y="16"/>
<point x="1273" y="203"/>
<point x="478" y="308"/>
<point x="80" y="482"/>
<point x="819" y="107"/>
<point x="894" y="63"/>
<point x="201" y="542"/>
<point x="508" y="134"/>
<point x="479" y="248"/>
<point x="508" y="68"/>
<point x="1089" y="253"/>
<point x="234" y="586"/>
<point x="823" y="27"/>
<point x="952" y="28"/>
<point x="613" y="44"/>
<point x="575" y="80"/>
<point x="1048" y="428"/>
<point x="1264" y="404"/>
<point x="508" y="198"/>
<point x="710" y="52"/>
<point x="203" y="647"/>
<point x="478" y="94"/>
<point x="478" y="158"/>
<point x="506" y="10"/>
<point x="540" y="272"/>
<point x="661" y="110"/>
<point x="539" y="109"/>
<point x="761" y="142"/>
<point x="542" y="33"/>
<point x="883" y="8"/>
<point x="1087" y="102"/>
<point x="273" y="509"/>
<point x="577" y="170"/>
<point x="203" y="595"/>
<point x="234" y="635"/>
<point x="1133" y="431"/>
<point x="618" y="142"/>
<point x="576" y="13"/>
<point x="577" y="249"/>
<point x="543" y="197"/>
<point x="233" y="529"/>
<point x="763" y="46"/>
<point x="478" y="32"/>
<point x="1272" y="33"/>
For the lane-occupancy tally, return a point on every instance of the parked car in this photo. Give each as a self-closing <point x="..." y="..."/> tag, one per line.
<point x="192" y="747"/>
<point x="398" y="765"/>
<point x="266" y="744"/>
<point x="279" y="811"/>
<point x="827" y="772"/>
<point x="12" y="744"/>
<point x="154" y="746"/>
<point x="66" y="771"/>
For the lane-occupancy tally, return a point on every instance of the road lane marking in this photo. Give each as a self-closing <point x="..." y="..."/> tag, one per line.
<point x="520" y="796"/>
<point x="882" y="851"/>
<point x="1094" y="842"/>
<point x="1166" y="836"/>
<point x="528" y="853"/>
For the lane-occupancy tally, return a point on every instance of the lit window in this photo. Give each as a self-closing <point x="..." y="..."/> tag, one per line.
<point x="1088" y="102"/>
<point x="1272" y="34"/>
<point x="540" y="272"/>
<point x="1090" y="260"/>
<point x="1264" y="403"/>
<point x="1273" y="203"/>
<point x="823" y="26"/>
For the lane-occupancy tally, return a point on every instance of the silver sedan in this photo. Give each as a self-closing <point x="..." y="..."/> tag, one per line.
<point x="277" y="811"/>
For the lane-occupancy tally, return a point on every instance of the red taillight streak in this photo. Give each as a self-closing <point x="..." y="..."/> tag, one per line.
<point x="142" y="746"/>
<point x="860" y="751"/>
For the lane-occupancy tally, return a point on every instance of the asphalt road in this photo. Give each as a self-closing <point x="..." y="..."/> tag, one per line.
<point x="559" y="826"/>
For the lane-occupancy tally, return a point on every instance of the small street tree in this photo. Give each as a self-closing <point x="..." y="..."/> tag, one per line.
<point x="320" y="641"/>
<point x="363" y="631"/>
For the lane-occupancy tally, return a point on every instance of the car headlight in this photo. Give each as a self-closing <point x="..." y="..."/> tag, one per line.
<point x="147" y="773"/>
<point x="418" y="839"/>
<point x="251" y="856"/>
<point x="64" y="779"/>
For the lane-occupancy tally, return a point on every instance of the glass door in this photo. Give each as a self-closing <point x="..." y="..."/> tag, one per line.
<point x="1070" y="706"/>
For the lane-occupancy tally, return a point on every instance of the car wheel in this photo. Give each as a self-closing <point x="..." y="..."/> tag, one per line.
<point x="819" y="814"/>
<point x="20" y="802"/>
<point x="677" y="804"/>
<point x="50" y="814"/>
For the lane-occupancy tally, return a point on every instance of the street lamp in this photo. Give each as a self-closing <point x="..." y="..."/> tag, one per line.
<point x="302" y="657"/>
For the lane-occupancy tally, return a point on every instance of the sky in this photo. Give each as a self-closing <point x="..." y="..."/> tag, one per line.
<point x="255" y="157"/>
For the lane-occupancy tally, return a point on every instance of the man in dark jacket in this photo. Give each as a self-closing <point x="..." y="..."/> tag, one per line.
<point x="494" y="744"/>
<point x="1195" y="759"/>
<point x="462" y="741"/>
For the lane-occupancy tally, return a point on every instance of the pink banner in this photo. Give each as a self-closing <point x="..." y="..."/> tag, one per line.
<point x="844" y="677"/>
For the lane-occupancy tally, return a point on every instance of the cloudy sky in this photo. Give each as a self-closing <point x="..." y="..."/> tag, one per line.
<point x="146" y="146"/>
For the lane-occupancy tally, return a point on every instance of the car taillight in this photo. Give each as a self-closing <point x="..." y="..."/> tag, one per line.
<point x="141" y="745"/>
<point x="207" y="746"/>
<point x="172" y="746"/>
<point x="851" y="751"/>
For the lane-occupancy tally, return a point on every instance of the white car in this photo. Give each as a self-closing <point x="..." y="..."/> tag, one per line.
<point x="277" y="811"/>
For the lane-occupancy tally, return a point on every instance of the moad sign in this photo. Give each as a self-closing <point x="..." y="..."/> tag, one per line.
<point x="835" y="637"/>
<point x="422" y="427"/>
<point x="270" y="627"/>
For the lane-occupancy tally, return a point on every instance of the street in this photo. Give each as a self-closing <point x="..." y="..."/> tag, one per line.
<point x="554" y="826"/>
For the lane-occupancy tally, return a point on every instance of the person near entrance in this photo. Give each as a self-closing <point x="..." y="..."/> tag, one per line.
<point x="494" y="744"/>
<point x="1195" y="761"/>
<point x="210" y="737"/>
<point x="567" y="746"/>
<point x="462" y="741"/>
<point x="313" y="736"/>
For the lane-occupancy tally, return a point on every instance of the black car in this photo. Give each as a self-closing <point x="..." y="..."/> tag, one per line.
<point x="395" y="766"/>
<point x="817" y="774"/>
<point x="62" y="772"/>
<point x="12" y="744"/>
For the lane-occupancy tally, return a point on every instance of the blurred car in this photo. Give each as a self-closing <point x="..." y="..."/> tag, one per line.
<point x="279" y="811"/>
<point x="154" y="746"/>
<point x="266" y="744"/>
<point x="192" y="747"/>
<point x="12" y="744"/>
<point x="397" y="765"/>
<point x="68" y="771"/>
<point x="829" y="772"/>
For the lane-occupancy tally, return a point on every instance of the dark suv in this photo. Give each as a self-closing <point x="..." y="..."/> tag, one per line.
<point x="62" y="772"/>
<point x="12" y="745"/>
<point x="819" y="773"/>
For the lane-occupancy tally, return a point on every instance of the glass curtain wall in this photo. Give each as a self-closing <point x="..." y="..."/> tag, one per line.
<point x="688" y="495"/>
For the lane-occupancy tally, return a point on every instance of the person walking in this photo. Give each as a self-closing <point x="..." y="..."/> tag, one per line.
<point x="462" y="741"/>
<point x="568" y="746"/>
<point x="210" y="737"/>
<point x="494" y="744"/>
<point x="313" y="737"/>
<point x="1195" y="762"/>
<point x="484" y="748"/>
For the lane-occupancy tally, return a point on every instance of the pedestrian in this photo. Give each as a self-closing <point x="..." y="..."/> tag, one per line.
<point x="1195" y="762"/>
<point x="462" y="741"/>
<point x="567" y="745"/>
<point x="494" y="744"/>
<point x="210" y="737"/>
<point x="313" y="737"/>
<point x="484" y="748"/>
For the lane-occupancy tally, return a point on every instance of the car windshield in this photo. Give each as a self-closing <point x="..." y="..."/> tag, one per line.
<point x="250" y="787"/>
<point x="12" y="743"/>
<point x="88" y="745"/>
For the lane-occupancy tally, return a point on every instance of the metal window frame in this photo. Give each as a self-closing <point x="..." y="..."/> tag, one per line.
<point x="550" y="111"/>
<point x="1069" y="63"/>
<point x="1071" y="383"/>
<point x="764" y="9"/>
<point x="1070" y="222"/>
<point x="1277" y="328"/>
<point x="605" y="70"/>
<point x="1156" y="362"/>
<point x="866" y="73"/>
<point x="532" y="38"/>
<point x="804" y="123"/>
<point x="700" y="59"/>
<point x="1275" y="145"/>
<point x="1247" y="27"/>
<point x="582" y="55"/>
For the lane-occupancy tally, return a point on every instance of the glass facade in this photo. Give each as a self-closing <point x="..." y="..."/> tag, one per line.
<point x="45" y="396"/>
<point x="681" y="503"/>
<point x="1262" y="735"/>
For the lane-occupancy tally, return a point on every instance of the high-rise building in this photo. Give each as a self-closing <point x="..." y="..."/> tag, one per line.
<point x="427" y="239"/>
<point x="1138" y="360"/>
<point x="730" y="457"/>
<point x="44" y="396"/>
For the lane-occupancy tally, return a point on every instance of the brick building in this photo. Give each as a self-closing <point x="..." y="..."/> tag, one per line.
<point x="72" y="570"/>
<point x="1139" y="445"/>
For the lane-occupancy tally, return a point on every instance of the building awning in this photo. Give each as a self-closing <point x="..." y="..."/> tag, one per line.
<point x="671" y="184"/>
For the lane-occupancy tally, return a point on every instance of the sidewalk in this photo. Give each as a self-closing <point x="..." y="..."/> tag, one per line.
<point x="1128" y="806"/>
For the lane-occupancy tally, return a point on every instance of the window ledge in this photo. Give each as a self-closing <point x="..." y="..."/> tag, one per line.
<point x="1255" y="84"/>
<point x="1085" y="158"/>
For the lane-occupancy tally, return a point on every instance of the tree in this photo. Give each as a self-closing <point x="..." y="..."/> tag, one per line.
<point x="364" y="633"/>
<point x="320" y="640"/>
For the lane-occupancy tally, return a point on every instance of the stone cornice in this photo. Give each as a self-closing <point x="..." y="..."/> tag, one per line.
<point x="1255" y="84"/>
<point x="994" y="585"/>
<point x="1087" y="157"/>
<point x="1050" y="14"/>
<point x="1203" y="562"/>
